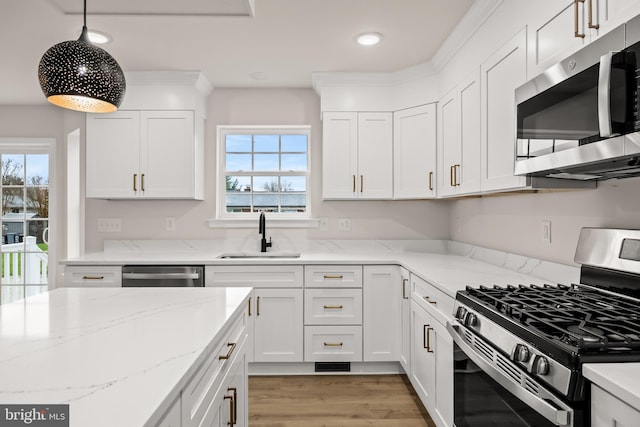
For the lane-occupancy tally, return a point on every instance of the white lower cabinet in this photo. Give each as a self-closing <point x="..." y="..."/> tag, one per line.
<point x="172" y="417"/>
<point x="277" y="325"/>
<point x="382" y="305"/>
<point x="92" y="276"/>
<point x="333" y="343"/>
<point x="405" y="322"/>
<point x="275" y="308"/>
<point x="609" y="411"/>
<point x="432" y="365"/>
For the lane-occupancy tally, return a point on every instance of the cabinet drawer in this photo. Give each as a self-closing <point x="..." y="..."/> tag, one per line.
<point x="334" y="276"/>
<point x="201" y="388"/>
<point x="332" y="306"/>
<point x="432" y="299"/>
<point x="257" y="276"/>
<point x="93" y="276"/>
<point x="607" y="410"/>
<point x="333" y="344"/>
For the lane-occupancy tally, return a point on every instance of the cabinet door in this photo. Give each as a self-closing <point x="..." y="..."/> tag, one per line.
<point x="172" y="418"/>
<point x="449" y="142"/>
<point x="113" y="154"/>
<point x="607" y="410"/>
<point x="414" y="152"/>
<point x="608" y="14"/>
<point x="339" y="155"/>
<point x="405" y="322"/>
<point x="168" y="160"/>
<point x="382" y="305"/>
<point x="468" y="173"/>
<point x="422" y="361"/>
<point x="441" y="344"/>
<point x="278" y="325"/>
<point x="501" y="74"/>
<point x="375" y="153"/>
<point x="552" y="37"/>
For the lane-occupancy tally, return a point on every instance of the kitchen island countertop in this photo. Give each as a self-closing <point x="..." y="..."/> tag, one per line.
<point x="117" y="356"/>
<point x="619" y="379"/>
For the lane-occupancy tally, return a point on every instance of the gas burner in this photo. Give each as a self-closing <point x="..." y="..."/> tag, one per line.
<point x="586" y="333"/>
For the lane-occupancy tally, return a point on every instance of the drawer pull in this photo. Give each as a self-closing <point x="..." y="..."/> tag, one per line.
<point x="429" y="301"/>
<point x="333" y="307"/>
<point x="427" y="344"/>
<point x="249" y="306"/>
<point x="231" y="399"/>
<point x="337" y="276"/>
<point x="232" y="346"/>
<point x="234" y="414"/>
<point x="332" y="344"/>
<point x="92" y="277"/>
<point x="404" y="288"/>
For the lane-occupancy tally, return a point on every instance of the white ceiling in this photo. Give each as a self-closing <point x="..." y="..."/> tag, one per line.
<point x="285" y="40"/>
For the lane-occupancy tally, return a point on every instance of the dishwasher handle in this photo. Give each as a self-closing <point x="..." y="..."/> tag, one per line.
<point x="159" y="276"/>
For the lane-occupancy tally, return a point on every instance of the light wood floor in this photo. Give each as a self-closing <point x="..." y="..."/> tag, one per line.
<point x="332" y="401"/>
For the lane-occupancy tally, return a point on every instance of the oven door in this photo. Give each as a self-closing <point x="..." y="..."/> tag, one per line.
<point x="490" y="390"/>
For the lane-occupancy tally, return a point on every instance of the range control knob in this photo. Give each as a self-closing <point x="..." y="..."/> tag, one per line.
<point x="521" y="353"/>
<point x="470" y="319"/>
<point x="460" y="312"/>
<point x="539" y="366"/>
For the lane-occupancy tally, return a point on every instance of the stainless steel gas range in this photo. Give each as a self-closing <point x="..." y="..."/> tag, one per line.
<point x="519" y="350"/>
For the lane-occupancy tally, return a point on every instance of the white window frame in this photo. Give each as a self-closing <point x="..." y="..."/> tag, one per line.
<point x="247" y="219"/>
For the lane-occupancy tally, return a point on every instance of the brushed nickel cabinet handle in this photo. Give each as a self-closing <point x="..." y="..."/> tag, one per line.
<point x="232" y="347"/>
<point x="591" y="24"/>
<point x="135" y="182"/>
<point x="577" y="32"/>
<point x="404" y="288"/>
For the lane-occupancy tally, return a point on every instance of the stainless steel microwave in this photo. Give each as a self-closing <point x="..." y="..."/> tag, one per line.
<point x="579" y="119"/>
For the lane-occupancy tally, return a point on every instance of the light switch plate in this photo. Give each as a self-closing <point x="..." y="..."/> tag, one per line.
<point x="545" y="232"/>
<point x="109" y="225"/>
<point x="344" y="224"/>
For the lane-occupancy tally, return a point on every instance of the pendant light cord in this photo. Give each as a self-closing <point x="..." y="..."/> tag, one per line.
<point x="85" y="13"/>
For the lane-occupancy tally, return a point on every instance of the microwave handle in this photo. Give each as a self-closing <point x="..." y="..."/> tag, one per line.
<point x="604" y="96"/>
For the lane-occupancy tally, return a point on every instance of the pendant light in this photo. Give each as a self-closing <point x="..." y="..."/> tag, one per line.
<point x="81" y="76"/>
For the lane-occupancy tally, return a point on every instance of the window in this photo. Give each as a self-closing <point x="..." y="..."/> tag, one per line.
<point x="25" y="194"/>
<point x="263" y="169"/>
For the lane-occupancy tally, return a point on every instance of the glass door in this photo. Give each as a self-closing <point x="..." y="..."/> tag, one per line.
<point x="24" y="252"/>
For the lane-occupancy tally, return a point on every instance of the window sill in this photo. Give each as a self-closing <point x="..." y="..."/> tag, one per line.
<point x="271" y="223"/>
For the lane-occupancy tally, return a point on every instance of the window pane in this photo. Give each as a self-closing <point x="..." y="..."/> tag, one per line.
<point x="238" y="183"/>
<point x="294" y="162"/>
<point x="37" y="169"/>
<point x="294" y="143"/>
<point x="265" y="183"/>
<point x="293" y="202"/>
<point x="12" y="203"/>
<point x="37" y="202"/>
<point x="266" y="143"/>
<point x="267" y="202"/>
<point x="12" y="169"/>
<point x="293" y="183"/>
<point x="266" y="162"/>
<point x="38" y="229"/>
<point x="239" y="202"/>
<point x="238" y="143"/>
<point x="238" y="162"/>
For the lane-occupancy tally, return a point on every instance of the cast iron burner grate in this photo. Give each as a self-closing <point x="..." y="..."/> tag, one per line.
<point x="574" y="315"/>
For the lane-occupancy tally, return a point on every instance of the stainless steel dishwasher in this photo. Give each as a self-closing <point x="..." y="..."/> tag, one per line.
<point x="183" y="276"/>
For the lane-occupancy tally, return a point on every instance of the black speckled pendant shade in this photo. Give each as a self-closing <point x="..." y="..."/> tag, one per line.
<point x="81" y="76"/>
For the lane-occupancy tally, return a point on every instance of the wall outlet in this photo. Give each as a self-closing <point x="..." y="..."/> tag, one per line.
<point x="344" y="224"/>
<point x="545" y="232"/>
<point x="109" y="225"/>
<point x="170" y="223"/>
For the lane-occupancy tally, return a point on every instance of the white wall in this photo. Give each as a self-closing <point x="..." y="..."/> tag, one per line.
<point x="512" y="223"/>
<point x="143" y="219"/>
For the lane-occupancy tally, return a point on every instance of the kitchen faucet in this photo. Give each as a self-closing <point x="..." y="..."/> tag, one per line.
<point x="262" y="229"/>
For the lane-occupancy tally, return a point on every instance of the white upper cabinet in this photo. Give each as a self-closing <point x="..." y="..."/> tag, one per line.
<point x="357" y="151"/>
<point x="414" y="152"/>
<point x="500" y="75"/>
<point x="144" y="154"/>
<point x="459" y="139"/>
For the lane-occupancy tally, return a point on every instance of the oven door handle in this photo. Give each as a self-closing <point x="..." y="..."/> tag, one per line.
<point x="159" y="276"/>
<point x="557" y="413"/>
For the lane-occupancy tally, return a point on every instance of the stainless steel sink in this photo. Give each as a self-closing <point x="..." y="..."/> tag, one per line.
<point x="259" y="255"/>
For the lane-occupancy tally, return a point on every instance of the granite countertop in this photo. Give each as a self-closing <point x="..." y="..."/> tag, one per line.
<point x="117" y="356"/>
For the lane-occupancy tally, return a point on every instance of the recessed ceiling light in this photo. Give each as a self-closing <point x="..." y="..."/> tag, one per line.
<point x="368" y="39"/>
<point x="258" y="75"/>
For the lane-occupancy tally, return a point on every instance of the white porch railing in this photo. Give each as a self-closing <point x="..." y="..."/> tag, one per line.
<point x="24" y="263"/>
